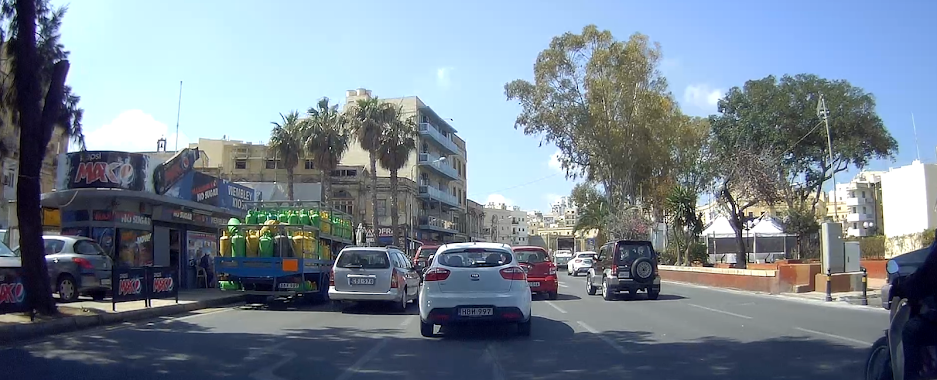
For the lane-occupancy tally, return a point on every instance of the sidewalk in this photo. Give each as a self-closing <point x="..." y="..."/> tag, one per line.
<point x="873" y="295"/>
<point x="86" y="314"/>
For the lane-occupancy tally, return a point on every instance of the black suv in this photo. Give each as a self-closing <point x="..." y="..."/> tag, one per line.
<point x="625" y="265"/>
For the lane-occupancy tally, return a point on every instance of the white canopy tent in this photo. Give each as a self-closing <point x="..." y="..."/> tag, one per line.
<point x="766" y="240"/>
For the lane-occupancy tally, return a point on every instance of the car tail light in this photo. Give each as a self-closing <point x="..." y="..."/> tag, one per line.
<point x="82" y="262"/>
<point x="332" y="277"/>
<point x="436" y="274"/>
<point x="393" y="280"/>
<point x="552" y="269"/>
<point x="614" y="270"/>
<point x="516" y="274"/>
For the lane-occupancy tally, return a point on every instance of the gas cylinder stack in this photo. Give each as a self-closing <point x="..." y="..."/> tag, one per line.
<point x="294" y="232"/>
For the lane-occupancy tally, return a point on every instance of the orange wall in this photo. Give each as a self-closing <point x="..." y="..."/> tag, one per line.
<point x="742" y="282"/>
<point x="875" y="268"/>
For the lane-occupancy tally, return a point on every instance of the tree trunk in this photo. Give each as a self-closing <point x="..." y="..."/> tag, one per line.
<point x="327" y="188"/>
<point x="36" y="125"/>
<point x="373" y="158"/>
<point x="393" y="208"/>
<point x="289" y="184"/>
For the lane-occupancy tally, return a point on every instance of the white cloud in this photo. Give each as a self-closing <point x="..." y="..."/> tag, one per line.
<point x="703" y="97"/>
<point x="444" y="76"/>
<point x="498" y="198"/>
<point x="133" y="131"/>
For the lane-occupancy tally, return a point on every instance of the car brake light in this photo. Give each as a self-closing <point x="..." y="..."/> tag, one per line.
<point x="332" y="277"/>
<point x="436" y="274"/>
<point x="552" y="269"/>
<point x="393" y="280"/>
<point x="614" y="270"/>
<point x="82" y="262"/>
<point x="515" y="274"/>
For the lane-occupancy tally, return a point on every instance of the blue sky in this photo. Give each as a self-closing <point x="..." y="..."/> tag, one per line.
<point x="243" y="62"/>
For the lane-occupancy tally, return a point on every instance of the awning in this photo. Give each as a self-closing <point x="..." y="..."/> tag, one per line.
<point x="65" y="198"/>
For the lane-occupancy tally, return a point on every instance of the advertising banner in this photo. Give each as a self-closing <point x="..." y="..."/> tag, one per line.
<point x="105" y="236"/>
<point x="163" y="283"/>
<point x="136" y="248"/>
<point x="12" y="291"/>
<point x="128" y="284"/>
<point x="75" y="231"/>
<point x="212" y="191"/>
<point x="173" y="170"/>
<point x="202" y="248"/>
<point x="105" y="169"/>
<point x="234" y="195"/>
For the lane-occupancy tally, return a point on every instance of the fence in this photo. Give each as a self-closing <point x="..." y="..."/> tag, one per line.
<point x="143" y="284"/>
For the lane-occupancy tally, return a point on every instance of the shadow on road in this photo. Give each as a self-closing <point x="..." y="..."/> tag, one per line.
<point x="559" y="297"/>
<point x="379" y="308"/>
<point x="182" y="350"/>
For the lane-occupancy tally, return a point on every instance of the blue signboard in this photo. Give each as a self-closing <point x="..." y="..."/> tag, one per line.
<point x="212" y="191"/>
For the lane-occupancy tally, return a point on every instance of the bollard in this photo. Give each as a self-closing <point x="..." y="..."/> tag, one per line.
<point x="865" y="287"/>
<point x="829" y="286"/>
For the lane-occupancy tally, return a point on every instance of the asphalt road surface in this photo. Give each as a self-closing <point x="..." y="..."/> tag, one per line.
<point x="689" y="333"/>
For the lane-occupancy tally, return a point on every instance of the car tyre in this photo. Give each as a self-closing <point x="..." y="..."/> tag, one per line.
<point x="402" y="305"/>
<point x="606" y="291"/>
<point x="590" y="289"/>
<point x="878" y="363"/>
<point x="67" y="288"/>
<point x="653" y="294"/>
<point x="427" y="330"/>
<point x="524" y="328"/>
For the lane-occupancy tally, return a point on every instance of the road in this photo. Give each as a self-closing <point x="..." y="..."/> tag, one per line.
<point x="689" y="333"/>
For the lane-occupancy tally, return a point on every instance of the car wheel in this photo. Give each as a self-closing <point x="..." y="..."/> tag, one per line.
<point x="878" y="364"/>
<point x="402" y="305"/>
<point x="607" y="292"/>
<point x="427" y="330"/>
<point x="524" y="328"/>
<point x="67" y="289"/>
<point x="653" y="294"/>
<point x="590" y="289"/>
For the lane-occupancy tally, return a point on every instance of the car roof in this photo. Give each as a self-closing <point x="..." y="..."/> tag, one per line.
<point x="356" y="248"/>
<point x="528" y="248"/>
<point x="71" y="238"/>
<point x="477" y="244"/>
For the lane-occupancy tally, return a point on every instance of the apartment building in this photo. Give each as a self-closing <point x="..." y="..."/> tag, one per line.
<point x="909" y="195"/>
<point x="857" y="204"/>
<point x="475" y="221"/>
<point x="506" y="224"/>
<point x="438" y="166"/>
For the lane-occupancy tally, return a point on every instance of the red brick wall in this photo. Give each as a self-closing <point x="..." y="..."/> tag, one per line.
<point x="721" y="280"/>
<point x="875" y="268"/>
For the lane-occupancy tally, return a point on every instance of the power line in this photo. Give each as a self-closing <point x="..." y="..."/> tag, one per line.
<point x="525" y="183"/>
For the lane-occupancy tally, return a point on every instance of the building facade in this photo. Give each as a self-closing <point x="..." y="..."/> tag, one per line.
<point x="909" y="196"/>
<point x="506" y="224"/>
<point x="857" y="204"/>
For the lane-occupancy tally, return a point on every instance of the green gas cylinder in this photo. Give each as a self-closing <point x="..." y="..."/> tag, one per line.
<point x="304" y="218"/>
<point x="283" y="217"/>
<point x="260" y="216"/>
<point x="314" y="219"/>
<point x="294" y="217"/>
<point x="266" y="245"/>
<point x="239" y="245"/>
<point x="251" y="218"/>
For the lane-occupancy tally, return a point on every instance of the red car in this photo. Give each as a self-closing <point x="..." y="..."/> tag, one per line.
<point x="423" y="255"/>
<point x="541" y="271"/>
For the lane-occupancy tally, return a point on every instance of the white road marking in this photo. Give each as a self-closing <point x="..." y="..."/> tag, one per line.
<point x="198" y="315"/>
<point x="497" y="372"/>
<point x="407" y="321"/>
<point x="562" y="285"/>
<point x="356" y="367"/>
<point x="604" y="338"/>
<point x="834" y="336"/>
<point x="266" y="373"/>
<point x="720" y="311"/>
<point x="556" y="307"/>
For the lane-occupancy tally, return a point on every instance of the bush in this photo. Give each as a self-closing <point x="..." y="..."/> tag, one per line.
<point x="872" y="247"/>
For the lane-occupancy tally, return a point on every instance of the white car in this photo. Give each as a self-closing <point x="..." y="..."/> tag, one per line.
<point x="581" y="263"/>
<point x="474" y="282"/>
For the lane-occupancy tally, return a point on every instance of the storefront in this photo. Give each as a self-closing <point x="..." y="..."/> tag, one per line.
<point x="111" y="197"/>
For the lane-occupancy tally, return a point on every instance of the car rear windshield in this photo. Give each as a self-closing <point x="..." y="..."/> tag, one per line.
<point x="631" y="251"/>
<point x="474" y="258"/>
<point x="363" y="259"/>
<point x="532" y="256"/>
<point x="585" y="255"/>
<point x="424" y="253"/>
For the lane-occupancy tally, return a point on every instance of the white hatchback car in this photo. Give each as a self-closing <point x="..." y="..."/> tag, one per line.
<point x="581" y="263"/>
<point x="472" y="283"/>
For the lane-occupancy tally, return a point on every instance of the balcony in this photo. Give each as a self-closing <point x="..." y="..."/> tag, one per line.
<point x="431" y="161"/>
<point x="434" y="194"/>
<point x="858" y="201"/>
<point x="853" y="217"/>
<point x="433" y="223"/>
<point x="429" y="131"/>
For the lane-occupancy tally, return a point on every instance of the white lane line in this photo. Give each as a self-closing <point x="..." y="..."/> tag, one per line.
<point x="266" y="373"/>
<point x="406" y="322"/>
<point x="555" y="307"/>
<point x="834" y="336"/>
<point x="356" y="367"/>
<point x="604" y="338"/>
<point x="562" y="285"/>
<point x="720" y="311"/>
<point x="497" y="372"/>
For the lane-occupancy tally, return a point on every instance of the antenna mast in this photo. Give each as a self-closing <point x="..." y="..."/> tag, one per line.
<point x="178" y="111"/>
<point x="917" y="145"/>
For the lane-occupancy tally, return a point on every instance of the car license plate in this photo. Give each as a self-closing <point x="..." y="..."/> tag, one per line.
<point x="534" y="284"/>
<point x="361" y="280"/>
<point x="624" y="275"/>
<point x="476" y="312"/>
<point x="288" y="285"/>
<point x="106" y="282"/>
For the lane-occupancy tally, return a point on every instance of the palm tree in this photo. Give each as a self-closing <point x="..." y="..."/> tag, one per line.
<point x="681" y="205"/>
<point x="368" y="126"/>
<point x="397" y="142"/>
<point x="286" y="142"/>
<point x="326" y="139"/>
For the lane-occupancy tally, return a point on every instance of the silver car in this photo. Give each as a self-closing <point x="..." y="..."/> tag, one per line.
<point x="77" y="266"/>
<point x="381" y="274"/>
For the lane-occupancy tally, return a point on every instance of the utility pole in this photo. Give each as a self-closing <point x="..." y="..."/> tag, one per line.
<point x="824" y="113"/>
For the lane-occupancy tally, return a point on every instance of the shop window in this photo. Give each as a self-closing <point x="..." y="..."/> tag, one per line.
<point x="272" y="164"/>
<point x="381" y="207"/>
<point x="308" y="165"/>
<point x="240" y="164"/>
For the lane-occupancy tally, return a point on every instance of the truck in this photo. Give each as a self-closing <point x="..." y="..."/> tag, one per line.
<point x="281" y="251"/>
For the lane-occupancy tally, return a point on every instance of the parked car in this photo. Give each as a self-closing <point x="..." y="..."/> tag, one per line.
<point x="581" y="263"/>
<point x="541" y="272"/>
<point x="625" y="265"/>
<point x="899" y="267"/>
<point x="8" y="258"/>
<point x="474" y="283"/>
<point x="77" y="266"/>
<point x="373" y="274"/>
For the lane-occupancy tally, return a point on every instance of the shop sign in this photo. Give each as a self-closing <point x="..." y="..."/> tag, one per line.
<point x="121" y="217"/>
<point x="385" y="231"/>
<point x="107" y="169"/>
<point x="173" y="170"/>
<point x="180" y="214"/>
<point x="204" y="189"/>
